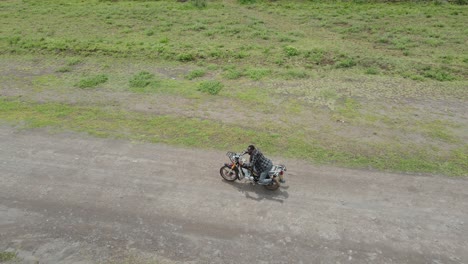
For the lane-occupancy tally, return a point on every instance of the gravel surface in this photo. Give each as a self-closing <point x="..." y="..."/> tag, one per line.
<point x="71" y="198"/>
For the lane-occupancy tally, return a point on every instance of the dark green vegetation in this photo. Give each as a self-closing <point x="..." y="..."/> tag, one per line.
<point x="211" y="87"/>
<point x="375" y="85"/>
<point x="92" y="81"/>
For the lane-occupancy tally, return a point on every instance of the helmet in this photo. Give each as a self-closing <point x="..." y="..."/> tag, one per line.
<point x="250" y="148"/>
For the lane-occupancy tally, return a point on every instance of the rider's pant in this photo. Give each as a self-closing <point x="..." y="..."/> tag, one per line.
<point x="264" y="174"/>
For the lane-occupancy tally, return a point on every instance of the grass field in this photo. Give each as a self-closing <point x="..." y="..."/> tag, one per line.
<point x="365" y="85"/>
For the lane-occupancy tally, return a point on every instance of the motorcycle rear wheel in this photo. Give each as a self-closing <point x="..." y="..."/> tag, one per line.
<point x="274" y="185"/>
<point x="228" y="174"/>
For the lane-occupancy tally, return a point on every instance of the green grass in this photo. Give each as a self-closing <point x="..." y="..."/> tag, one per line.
<point x="196" y="74"/>
<point x="92" y="81"/>
<point x="349" y="110"/>
<point x="296" y="74"/>
<point x="439" y="130"/>
<point x="64" y="69"/>
<point x="358" y="32"/>
<point x="143" y="82"/>
<point x="291" y="51"/>
<point x="438" y="74"/>
<point x="200" y="3"/>
<point x="231" y="72"/>
<point x="210" y="87"/>
<point x="257" y="73"/>
<point x="372" y="71"/>
<point x="73" y="61"/>
<point x="346" y="63"/>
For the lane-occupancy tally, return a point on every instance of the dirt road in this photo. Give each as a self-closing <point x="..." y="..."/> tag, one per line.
<point x="69" y="198"/>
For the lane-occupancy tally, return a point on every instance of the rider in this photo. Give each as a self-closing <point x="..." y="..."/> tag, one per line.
<point x="260" y="163"/>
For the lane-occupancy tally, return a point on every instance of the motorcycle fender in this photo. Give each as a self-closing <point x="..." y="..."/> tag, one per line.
<point x="230" y="165"/>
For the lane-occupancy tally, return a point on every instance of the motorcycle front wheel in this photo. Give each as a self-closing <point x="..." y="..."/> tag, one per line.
<point x="227" y="173"/>
<point x="273" y="185"/>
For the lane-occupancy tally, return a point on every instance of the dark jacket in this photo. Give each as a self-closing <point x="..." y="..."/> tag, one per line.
<point x="259" y="162"/>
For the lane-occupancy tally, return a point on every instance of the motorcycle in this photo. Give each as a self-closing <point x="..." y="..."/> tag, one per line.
<point x="236" y="171"/>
